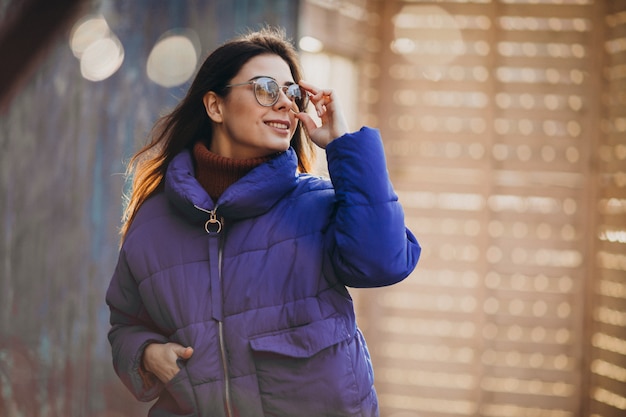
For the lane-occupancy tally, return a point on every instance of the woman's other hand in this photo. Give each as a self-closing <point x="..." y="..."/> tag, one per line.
<point x="329" y="111"/>
<point x="160" y="359"/>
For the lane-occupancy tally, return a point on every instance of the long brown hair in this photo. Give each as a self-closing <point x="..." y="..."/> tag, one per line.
<point x="188" y="122"/>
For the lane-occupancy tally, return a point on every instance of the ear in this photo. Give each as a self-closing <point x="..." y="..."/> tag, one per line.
<point x="213" y="106"/>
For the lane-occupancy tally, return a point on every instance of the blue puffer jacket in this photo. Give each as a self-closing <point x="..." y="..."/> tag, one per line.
<point x="256" y="284"/>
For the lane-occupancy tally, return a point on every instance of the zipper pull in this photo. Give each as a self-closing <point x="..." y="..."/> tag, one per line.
<point x="213" y="225"/>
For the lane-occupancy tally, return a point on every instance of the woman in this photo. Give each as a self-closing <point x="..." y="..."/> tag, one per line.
<point x="229" y="297"/>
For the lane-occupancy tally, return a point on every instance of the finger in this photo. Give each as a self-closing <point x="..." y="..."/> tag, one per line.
<point x="320" y="108"/>
<point x="307" y="122"/>
<point x="325" y="102"/>
<point x="183" y="352"/>
<point x="316" y="93"/>
<point x="308" y="87"/>
<point x="187" y="352"/>
<point x="322" y="96"/>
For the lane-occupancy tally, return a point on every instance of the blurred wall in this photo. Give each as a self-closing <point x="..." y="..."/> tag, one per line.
<point x="63" y="144"/>
<point x="504" y="128"/>
<point x="504" y="131"/>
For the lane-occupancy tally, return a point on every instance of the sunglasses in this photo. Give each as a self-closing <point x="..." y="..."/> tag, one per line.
<point x="267" y="92"/>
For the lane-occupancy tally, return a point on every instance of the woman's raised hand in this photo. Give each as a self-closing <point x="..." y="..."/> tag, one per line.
<point x="329" y="111"/>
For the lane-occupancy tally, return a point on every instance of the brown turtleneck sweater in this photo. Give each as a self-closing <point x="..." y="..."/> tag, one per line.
<point x="216" y="173"/>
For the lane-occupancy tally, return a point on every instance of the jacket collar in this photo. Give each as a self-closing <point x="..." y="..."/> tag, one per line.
<point x="252" y="195"/>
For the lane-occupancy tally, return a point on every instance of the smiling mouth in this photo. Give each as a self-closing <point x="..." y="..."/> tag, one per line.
<point x="278" y="125"/>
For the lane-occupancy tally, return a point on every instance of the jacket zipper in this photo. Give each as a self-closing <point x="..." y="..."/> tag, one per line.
<point x="213" y="227"/>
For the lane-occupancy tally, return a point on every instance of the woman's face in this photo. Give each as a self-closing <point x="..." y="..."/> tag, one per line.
<point x="245" y="129"/>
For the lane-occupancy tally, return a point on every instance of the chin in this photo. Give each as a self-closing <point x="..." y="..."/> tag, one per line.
<point x="281" y="146"/>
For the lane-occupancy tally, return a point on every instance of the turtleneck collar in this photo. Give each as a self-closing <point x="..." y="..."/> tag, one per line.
<point x="252" y="195"/>
<point x="216" y="173"/>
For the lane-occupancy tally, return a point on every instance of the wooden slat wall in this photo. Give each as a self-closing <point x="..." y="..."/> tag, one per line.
<point x="504" y="129"/>
<point x="607" y="289"/>
<point x="489" y="147"/>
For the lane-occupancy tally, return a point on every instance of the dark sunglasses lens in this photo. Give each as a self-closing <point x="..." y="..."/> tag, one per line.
<point x="266" y="91"/>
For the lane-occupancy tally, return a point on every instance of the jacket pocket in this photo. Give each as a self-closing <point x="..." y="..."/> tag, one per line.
<point x="177" y="399"/>
<point x="308" y="371"/>
<point x="304" y="341"/>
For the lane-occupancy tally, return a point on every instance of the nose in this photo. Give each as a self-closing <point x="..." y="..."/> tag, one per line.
<point x="283" y="101"/>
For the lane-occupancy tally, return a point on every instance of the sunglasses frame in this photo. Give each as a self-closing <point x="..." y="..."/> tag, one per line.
<point x="304" y="99"/>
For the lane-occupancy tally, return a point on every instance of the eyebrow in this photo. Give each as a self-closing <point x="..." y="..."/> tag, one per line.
<point x="256" y="77"/>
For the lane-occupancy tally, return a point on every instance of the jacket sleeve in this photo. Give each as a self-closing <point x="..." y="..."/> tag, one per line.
<point x="368" y="242"/>
<point x="131" y="331"/>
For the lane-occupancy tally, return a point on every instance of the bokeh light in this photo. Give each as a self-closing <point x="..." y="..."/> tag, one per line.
<point x="99" y="50"/>
<point x="310" y="44"/>
<point x="427" y="34"/>
<point x="173" y="58"/>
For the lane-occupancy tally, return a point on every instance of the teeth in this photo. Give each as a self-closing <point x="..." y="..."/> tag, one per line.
<point x="277" y="125"/>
